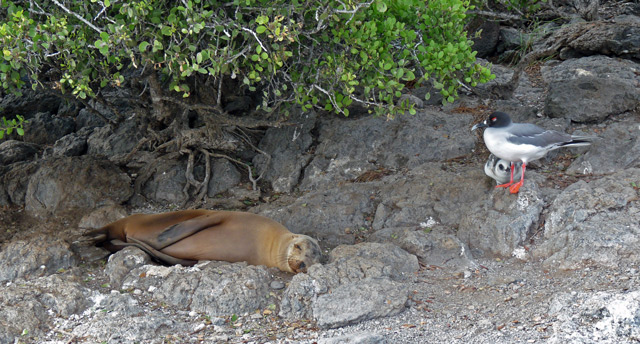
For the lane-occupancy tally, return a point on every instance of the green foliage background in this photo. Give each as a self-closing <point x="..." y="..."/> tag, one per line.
<point x="324" y="53"/>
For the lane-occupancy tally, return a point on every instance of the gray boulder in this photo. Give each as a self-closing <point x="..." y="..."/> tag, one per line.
<point x="433" y="245"/>
<point x="500" y="222"/>
<point x="430" y="194"/>
<point x="617" y="148"/>
<point x="38" y="256"/>
<point x="594" y="223"/>
<point x="102" y="216"/>
<point x="120" y="318"/>
<point x="357" y="301"/>
<point x="512" y="39"/>
<point x="108" y="142"/>
<point x="87" y="119"/>
<point x="27" y="309"/>
<point x="616" y="39"/>
<point x="224" y="176"/>
<point x="13" y="151"/>
<point x="347" y="148"/>
<point x="122" y="262"/>
<point x="592" y="88"/>
<point x="167" y="182"/>
<point x="371" y="267"/>
<point x="602" y="317"/>
<point x="45" y="129"/>
<point x="14" y="180"/>
<point x="287" y="147"/>
<point x="168" y="179"/>
<point x="29" y="103"/>
<point x="333" y="216"/>
<point x="71" y="183"/>
<point x="485" y="36"/>
<point x="70" y="145"/>
<point x="214" y="288"/>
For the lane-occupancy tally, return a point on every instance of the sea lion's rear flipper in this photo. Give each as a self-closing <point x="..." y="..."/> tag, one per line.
<point x="179" y="231"/>
<point x="93" y="237"/>
<point x="116" y="245"/>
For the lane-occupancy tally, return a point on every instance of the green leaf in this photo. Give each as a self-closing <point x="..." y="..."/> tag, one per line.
<point x="166" y="30"/>
<point x="262" y="20"/>
<point x="143" y="46"/>
<point x="261" y="29"/>
<point x="157" y="45"/>
<point x="20" y="131"/>
<point x="381" y="6"/>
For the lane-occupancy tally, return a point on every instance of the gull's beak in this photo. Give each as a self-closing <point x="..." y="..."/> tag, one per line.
<point x="479" y="125"/>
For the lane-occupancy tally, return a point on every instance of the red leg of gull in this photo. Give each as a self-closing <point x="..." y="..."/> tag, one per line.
<point x="510" y="182"/>
<point x="516" y="187"/>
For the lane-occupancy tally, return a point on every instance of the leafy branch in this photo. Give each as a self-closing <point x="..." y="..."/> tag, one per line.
<point x="9" y="125"/>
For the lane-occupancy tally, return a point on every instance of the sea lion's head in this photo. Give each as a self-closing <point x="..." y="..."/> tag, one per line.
<point x="302" y="252"/>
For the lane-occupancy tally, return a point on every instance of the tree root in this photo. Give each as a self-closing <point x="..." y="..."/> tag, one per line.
<point x="201" y="188"/>
<point x="220" y="132"/>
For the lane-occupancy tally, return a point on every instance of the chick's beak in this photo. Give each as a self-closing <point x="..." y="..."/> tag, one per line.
<point x="479" y="125"/>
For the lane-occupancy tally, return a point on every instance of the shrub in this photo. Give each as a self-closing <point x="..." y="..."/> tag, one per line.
<point x="325" y="54"/>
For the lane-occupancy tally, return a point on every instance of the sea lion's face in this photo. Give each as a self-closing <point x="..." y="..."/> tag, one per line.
<point x="303" y="251"/>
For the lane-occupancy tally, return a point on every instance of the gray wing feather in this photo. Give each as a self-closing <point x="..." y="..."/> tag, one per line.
<point x="530" y="134"/>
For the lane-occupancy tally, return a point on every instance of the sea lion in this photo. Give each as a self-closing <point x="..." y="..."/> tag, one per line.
<point x="187" y="236"/>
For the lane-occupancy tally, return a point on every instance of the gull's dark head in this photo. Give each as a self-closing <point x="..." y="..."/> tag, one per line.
<point x="495" y="120"/>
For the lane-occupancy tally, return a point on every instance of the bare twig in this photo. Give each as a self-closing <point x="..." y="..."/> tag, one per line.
<point x="353" y="11"/>
<point x="41" y="11"/>
<point x="256" y="37"/>
<point x="335" y="105"/>
<point x="79" y="17"/>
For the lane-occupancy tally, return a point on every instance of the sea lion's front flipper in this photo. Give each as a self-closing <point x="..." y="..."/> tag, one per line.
<point x="179" y="231"/>
<point x="163" y="257"/>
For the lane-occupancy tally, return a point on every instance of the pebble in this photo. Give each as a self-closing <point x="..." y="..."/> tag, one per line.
<point x="277" y="285"/>
<point x="218" y="339"/>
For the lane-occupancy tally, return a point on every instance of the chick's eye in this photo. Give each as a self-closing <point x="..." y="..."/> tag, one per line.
<point x="297" y="247"/>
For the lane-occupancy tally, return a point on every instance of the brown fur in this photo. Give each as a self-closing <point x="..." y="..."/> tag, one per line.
<point x="192" y="235"/>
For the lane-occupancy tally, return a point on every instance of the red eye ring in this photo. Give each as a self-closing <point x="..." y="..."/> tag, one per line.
<point x="493" y="119"/>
